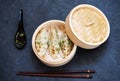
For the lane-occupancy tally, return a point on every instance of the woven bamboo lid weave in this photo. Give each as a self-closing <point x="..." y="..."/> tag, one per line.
<point x="89" y="25"/>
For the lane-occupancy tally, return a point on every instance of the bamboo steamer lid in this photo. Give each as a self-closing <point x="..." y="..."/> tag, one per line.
<point x="87" y="26"/>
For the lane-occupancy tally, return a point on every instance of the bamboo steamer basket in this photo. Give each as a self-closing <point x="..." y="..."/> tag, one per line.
<point x="52" y="63"/>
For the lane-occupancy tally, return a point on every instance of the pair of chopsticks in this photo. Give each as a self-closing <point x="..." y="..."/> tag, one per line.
<point x="63" y="74"/>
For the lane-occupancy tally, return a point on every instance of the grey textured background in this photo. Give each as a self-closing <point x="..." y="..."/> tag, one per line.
<point x="105" y="59"/>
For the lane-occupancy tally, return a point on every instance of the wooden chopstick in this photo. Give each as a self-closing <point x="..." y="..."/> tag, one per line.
<point x="64" y="74"/>
<point x="55" y="75"/>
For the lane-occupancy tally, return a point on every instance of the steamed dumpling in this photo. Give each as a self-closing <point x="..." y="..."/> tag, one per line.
<point x="42" y="41"/>
<point x="54" y="42"/>
<point x="66" y="45"/>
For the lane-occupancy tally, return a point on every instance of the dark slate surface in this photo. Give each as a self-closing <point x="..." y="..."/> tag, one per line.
<point x="105" y="59"/>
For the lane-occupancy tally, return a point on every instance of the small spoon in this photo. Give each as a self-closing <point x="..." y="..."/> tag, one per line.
<point x="20" y="37"/>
